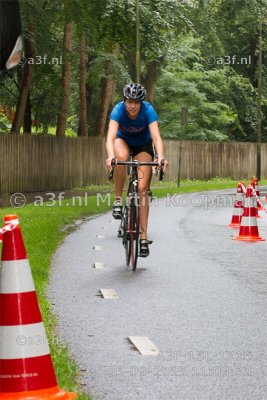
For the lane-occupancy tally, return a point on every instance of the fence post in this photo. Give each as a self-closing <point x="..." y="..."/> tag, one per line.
<point x="184" y="120"/>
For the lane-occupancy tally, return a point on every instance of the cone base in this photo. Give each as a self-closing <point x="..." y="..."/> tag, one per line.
<point x="46" y="394"/>
<point x="249" y="239"/>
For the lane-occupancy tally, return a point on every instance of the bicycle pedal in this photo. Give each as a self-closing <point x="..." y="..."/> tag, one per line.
<point x="150" y="196"/>
<point x="143" y="255"/>
<point x="117" y="216"/>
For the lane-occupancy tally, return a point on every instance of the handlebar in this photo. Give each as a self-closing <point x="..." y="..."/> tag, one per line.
<point x="136" y="163"/>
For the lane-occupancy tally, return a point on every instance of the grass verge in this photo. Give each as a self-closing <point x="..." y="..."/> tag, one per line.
<point x="44" y="227"/>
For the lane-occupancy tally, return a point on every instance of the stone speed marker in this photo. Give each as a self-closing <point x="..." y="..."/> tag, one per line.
<point x="144" y="345"/>
<point x="98" y="248"/>
<point x="99" y="265"/>
<point x="109" y="293"/>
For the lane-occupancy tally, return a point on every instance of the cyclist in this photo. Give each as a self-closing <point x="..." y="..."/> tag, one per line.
<point x="133" y="126"/>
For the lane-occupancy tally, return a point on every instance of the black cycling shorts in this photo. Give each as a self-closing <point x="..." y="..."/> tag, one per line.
<point x="147" y="148"/>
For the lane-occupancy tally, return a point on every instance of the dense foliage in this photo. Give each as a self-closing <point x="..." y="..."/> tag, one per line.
<point x="196" y="54"/>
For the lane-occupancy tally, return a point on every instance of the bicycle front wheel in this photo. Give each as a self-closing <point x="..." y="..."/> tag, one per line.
<point x="133" y="235"/>
<point x="125" y="234"/>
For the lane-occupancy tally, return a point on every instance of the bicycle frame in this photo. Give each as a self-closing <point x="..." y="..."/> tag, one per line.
<point x="129" y="228"/>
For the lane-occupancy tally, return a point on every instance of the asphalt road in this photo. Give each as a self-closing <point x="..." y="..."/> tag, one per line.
<point x="200" y="297"/>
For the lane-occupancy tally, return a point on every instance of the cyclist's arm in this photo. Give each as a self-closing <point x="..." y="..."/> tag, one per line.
<point x="111" y="136"/>
<point x="155" y="135"/>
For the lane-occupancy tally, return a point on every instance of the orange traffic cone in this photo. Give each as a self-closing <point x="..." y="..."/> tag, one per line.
<point x="259" y="206"/>
<point x="255" y="184"/>
<point x="249" y="229"/>
<point x="11" y="219"/>
<point x="238" y="206"/>
<point x="26" y="368"/>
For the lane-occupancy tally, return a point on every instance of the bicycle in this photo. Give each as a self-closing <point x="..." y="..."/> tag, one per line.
<point x="130" y="229"/>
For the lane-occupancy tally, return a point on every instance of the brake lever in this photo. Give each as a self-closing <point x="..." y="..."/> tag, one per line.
<point x="161" y="174"/>
<point x="113" y="163"/>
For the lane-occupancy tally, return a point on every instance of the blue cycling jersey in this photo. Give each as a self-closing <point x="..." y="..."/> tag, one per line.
<point x="134" y="131"/>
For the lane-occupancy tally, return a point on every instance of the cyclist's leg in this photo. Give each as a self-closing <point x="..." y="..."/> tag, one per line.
<point x="144" y="174"/>
<point x="121" y="149"/>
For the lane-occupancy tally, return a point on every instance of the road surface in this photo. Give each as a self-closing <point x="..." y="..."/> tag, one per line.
<point x="200" y="297"/>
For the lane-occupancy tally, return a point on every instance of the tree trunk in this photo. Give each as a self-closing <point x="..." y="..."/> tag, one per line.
<point x="106" y="96"/>
<point x="83" y="125"/>
<point x="131" y="63"/>
<point x="252" y="67"/>
<point x="259" y="100"/>
<point x="137" y="42"/>
<point x="26" y="80"/>
<point x="102" y="113"/>
<point x="66" y="80"/>
<point x="150" y="79"/>
<point x="89" y="91"/>
<point x="27" y="124"/>
<point x="111" y="105"/>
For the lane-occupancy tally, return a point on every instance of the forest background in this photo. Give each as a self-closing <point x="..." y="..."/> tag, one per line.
<point x="205" y="56"/>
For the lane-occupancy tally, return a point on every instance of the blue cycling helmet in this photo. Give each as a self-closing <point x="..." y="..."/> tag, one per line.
<point x="134" y="91"/>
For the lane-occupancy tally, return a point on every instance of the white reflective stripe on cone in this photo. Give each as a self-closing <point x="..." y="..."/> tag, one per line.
<point x="249" y="221"/>
<point x="23" y="341"/>
<point x="238" y="211"/>
<point x="243" y="188"/>
<point x="12" y="221"/>
<point x="16" y="277"/>
<point x="250" y="202"/>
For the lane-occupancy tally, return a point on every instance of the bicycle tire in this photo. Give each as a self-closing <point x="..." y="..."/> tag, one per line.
<point x="134" y="234"/>
<point x="126" y="237"/>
